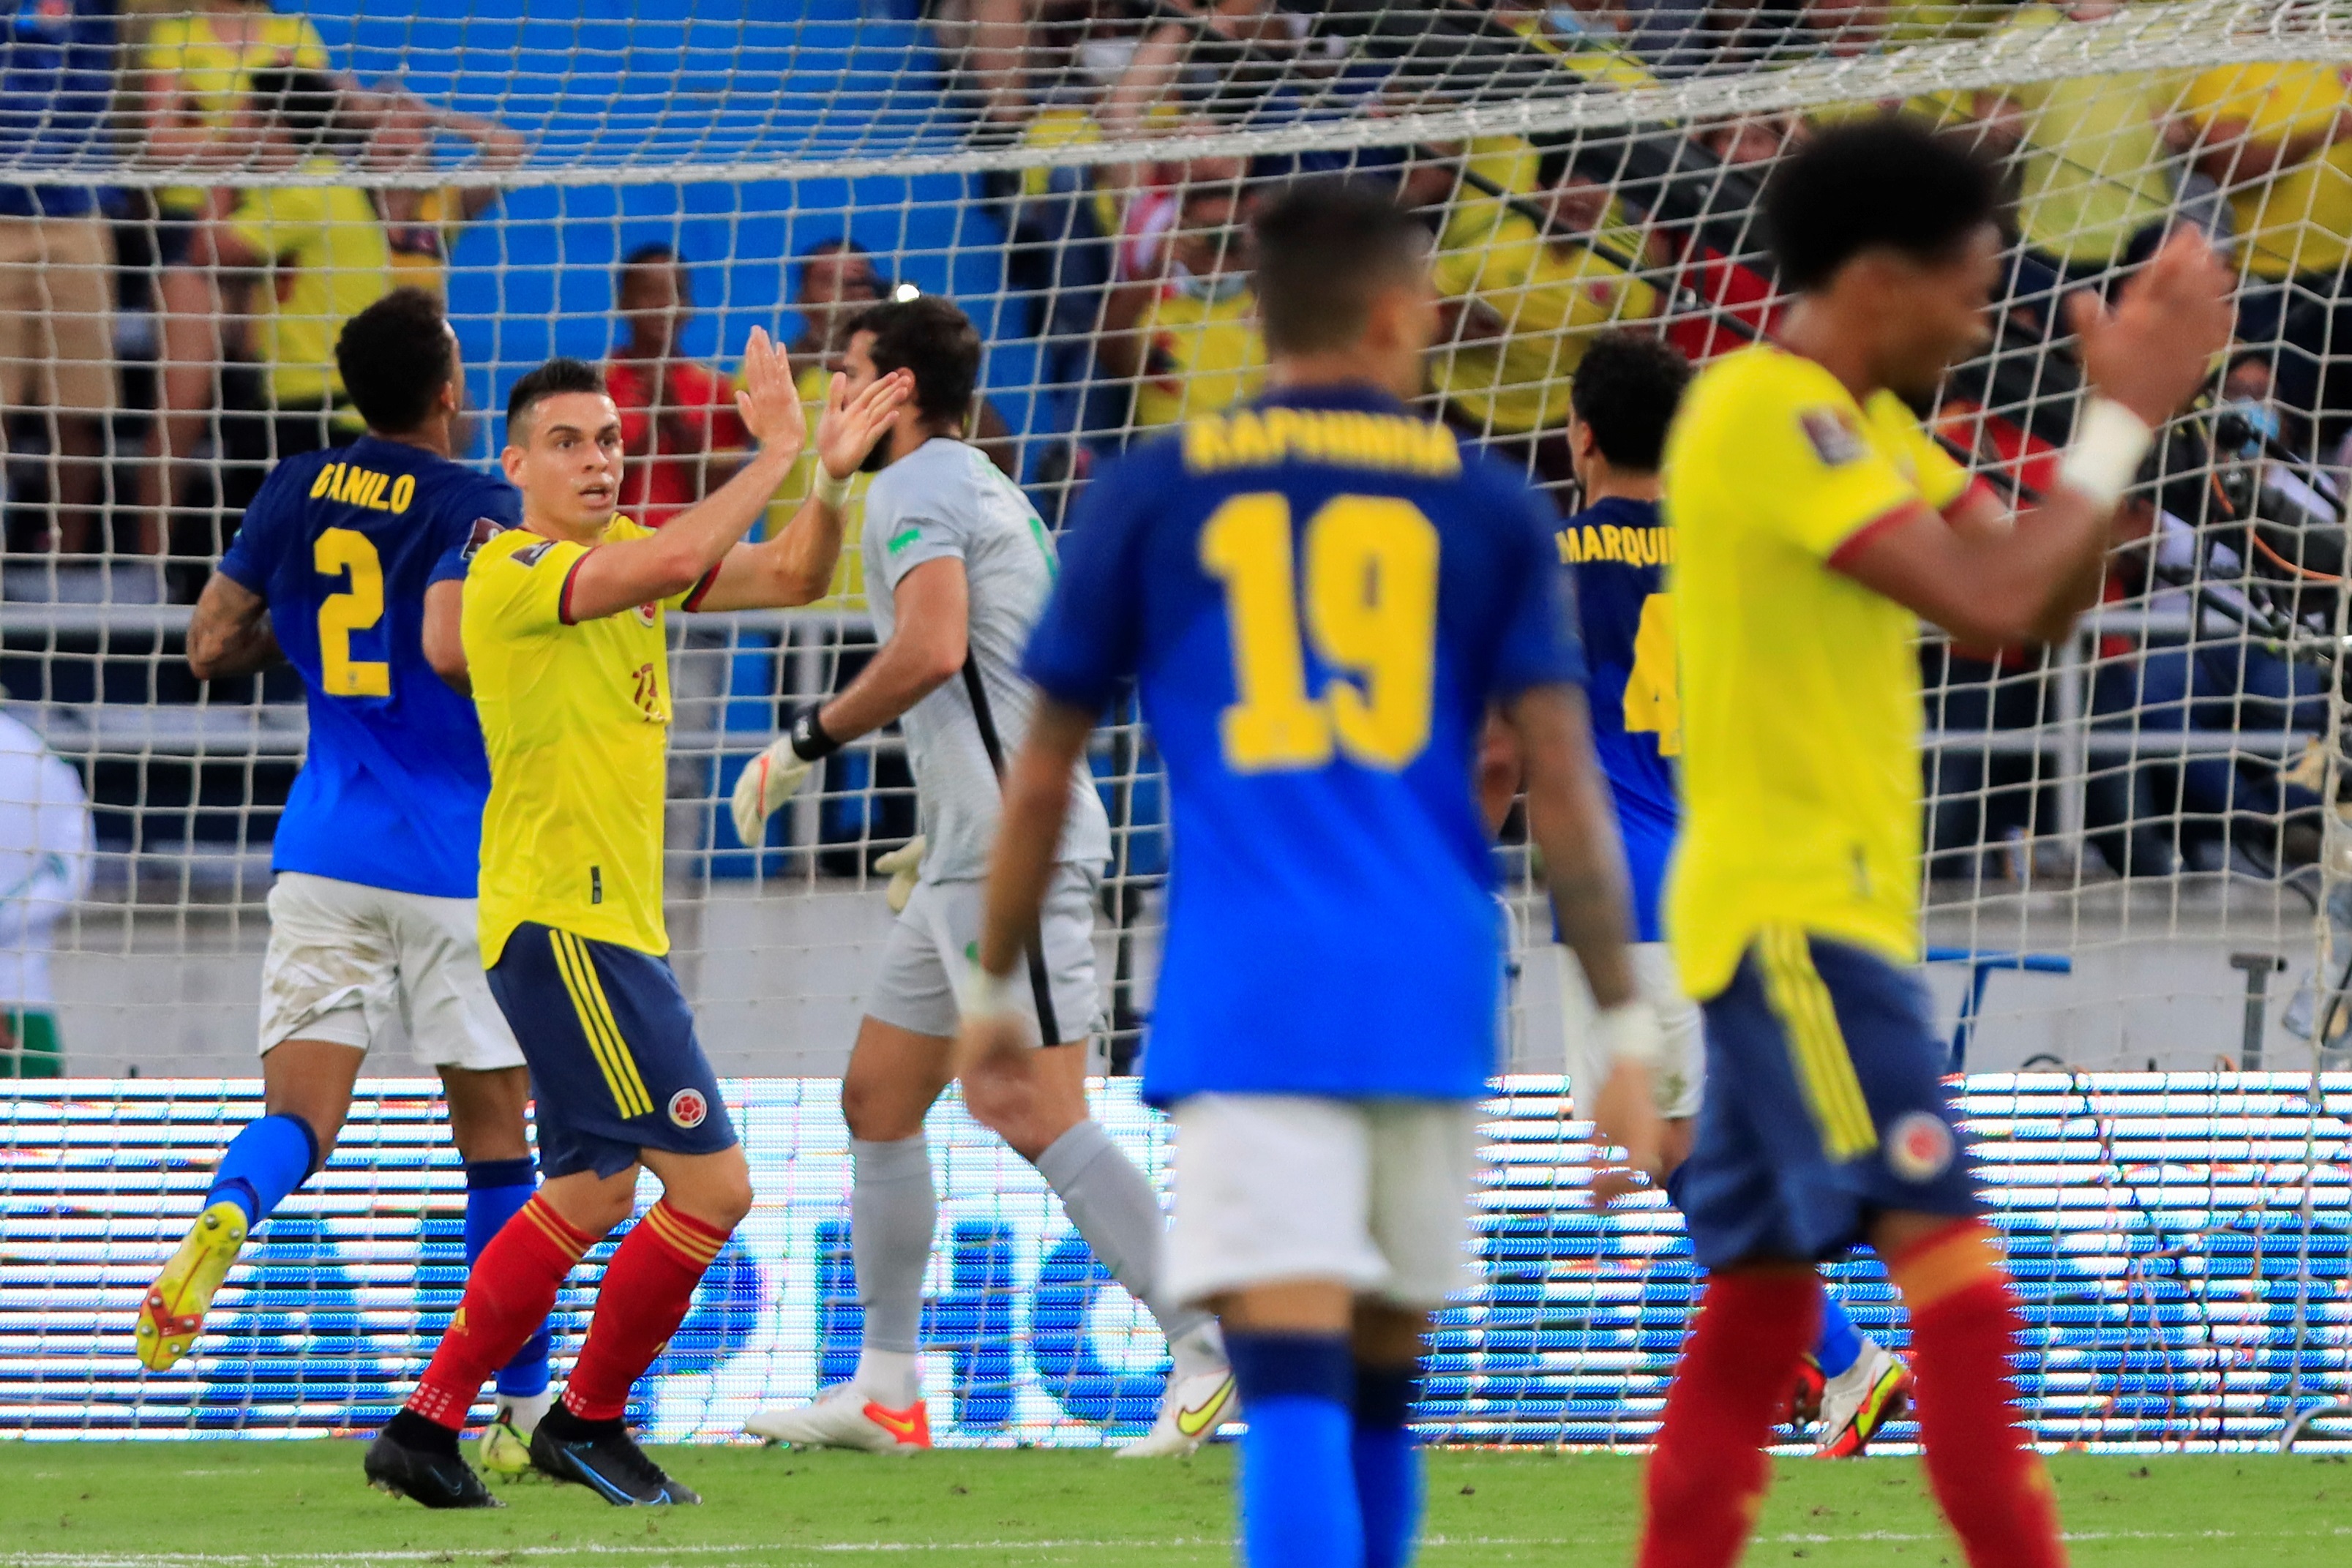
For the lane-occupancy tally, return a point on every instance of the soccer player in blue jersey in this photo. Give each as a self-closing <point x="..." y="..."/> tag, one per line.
<point x="1322" y="598"/>
<point x="1617" y="549"/>
<point x="348" y="566"/>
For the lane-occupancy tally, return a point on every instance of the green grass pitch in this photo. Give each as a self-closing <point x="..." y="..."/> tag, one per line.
<point x="198" y="1505"/>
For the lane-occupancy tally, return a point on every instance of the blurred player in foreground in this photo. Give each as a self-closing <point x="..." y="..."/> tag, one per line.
<point x="1621" y="401"/>
<point x="1322" y="600"/>
<point x="562" y="640"/>
<point x="957" y="567"/>
<point x="1816" y="523"/>
<point x="346" y="565"/>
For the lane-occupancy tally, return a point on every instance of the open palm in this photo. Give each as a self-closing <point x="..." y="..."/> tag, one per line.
<point x="850" y="425"/>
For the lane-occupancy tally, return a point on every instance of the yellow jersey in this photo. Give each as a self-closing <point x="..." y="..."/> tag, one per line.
<point x="575" y="716"/>
<point x="1801" y="702"/>
<point x="215" y="74"/>
<point x="2300" y="219"/>
<point x="1199" y="356"/>
<point x="329" y="261"/>
<point x="1552" y="296"/>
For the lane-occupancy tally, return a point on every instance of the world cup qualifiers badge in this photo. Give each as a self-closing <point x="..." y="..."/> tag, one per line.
<point x="687" y="1108"/>
<point x="1920" y="1148"/>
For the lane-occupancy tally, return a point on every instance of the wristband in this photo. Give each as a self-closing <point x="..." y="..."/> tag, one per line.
<point x="986" y="998"/>
<point x="1629" y="1032"/>
<point x="830" y="491"/>
<point x="809" y="742"/>
<point x="2104" y="458"/>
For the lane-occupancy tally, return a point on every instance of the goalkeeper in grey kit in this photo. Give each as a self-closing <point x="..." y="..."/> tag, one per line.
<point x="958" y="568"/>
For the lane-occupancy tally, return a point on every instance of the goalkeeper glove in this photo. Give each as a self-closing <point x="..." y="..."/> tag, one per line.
<point x="904" y="864"/>
<point x="774" y="776"/>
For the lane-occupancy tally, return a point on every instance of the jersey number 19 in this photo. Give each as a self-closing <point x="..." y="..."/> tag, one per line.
<point x="1369" y="606"/>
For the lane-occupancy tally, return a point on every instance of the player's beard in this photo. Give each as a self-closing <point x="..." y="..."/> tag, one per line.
<point x="878" y="456"/>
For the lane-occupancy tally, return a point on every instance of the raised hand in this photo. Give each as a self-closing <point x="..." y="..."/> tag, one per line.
<point x="850" y="426"/>
<point x="770" y="404"/>
<point x="2155" y="347"/>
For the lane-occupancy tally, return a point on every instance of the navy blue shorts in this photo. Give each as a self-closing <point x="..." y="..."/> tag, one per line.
<point x="615" y="1066"/>
<point x="1825" y="1106"/>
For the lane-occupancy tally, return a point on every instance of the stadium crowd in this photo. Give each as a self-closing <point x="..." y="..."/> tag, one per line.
<point x="164" y="347"/>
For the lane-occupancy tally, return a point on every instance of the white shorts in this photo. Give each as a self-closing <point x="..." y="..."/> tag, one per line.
<point x="1681" y="1079"/>
<point x="345" y="959"/>
<point x="1374" y="1195"/>
<point x="928" y="950"/>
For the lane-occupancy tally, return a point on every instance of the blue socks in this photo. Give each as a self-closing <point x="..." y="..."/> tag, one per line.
<point x="1387" y="1465"/>
<point x="264" y="1163"/>
<point x="496" y="1191"/>
<point x="1297" y="1487"/>
<point x="1840" y="1344"/>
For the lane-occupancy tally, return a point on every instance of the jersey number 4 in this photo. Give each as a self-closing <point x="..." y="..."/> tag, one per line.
<point x="1654" y="696"/>
<point x="358" y="608"/>
<point x="1370" y="608"/>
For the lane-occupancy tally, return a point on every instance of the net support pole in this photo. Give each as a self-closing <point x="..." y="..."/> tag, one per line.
<point x="2071" y="744"/>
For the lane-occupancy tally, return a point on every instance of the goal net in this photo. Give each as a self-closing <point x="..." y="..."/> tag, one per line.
<point x="2136" y="856"/>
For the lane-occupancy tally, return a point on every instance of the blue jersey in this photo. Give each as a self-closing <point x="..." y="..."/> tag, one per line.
<point x="344" y="544"/>
<point x="1319" y="597"/>
<point x="1617" y="553"/>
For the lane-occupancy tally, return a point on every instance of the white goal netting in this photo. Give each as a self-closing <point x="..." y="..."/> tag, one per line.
<point x="2136" y="854"/>
<point x="2130" y="836"/>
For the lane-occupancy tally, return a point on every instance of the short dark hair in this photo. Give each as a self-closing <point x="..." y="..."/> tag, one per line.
<point x="1887" y="181"/>
<point x="395" y="358"/>
<point x="309" y="104"/>
<point x="1323" y="250"/>
<point x="1625" y="391"/>
<point x="839" y="245"/>
<point x="645" y="254"/>
<point x="553" y="379"/>
<point x="929" y="335"/>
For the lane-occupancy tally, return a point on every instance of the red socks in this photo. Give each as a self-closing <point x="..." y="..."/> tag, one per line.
<point x="648" y="1288"/>
<point x="508" y="1295"/>
<point x="1964" y="1324"/>
<point x="1707" y="1475"/>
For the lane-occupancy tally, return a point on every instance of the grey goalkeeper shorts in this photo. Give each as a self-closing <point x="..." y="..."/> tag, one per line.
<point x="937" y="935"/>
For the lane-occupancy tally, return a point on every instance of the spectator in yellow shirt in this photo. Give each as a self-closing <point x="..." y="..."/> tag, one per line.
<point x="420" y="227"/>
<point x="194" y="73"/>
<point x="2277" y="139"/>
<point x="1188" y="340"/>
<point x="297" y="261"/>
<point x="1522" y="299"/>
<point x="2099" y="160"/>
<point x="833" y="280"/>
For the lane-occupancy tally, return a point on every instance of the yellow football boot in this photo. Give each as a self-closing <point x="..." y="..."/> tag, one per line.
<point x="174" y="1310"/>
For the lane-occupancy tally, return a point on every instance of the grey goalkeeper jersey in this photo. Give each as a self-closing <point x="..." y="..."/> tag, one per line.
<point x="947" y="500"/>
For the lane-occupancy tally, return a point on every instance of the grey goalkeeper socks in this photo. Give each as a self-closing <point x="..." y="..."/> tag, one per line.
<point x="892" y="1212"/>
<point x="1114" y="1208"/>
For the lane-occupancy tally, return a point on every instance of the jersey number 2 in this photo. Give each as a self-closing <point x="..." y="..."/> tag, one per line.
<point x="356" y="608"/>
<point x="1370" y="605"/>
<point x="1653" y="695"/>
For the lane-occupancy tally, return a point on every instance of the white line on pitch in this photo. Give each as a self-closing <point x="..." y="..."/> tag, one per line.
<point x="775" y="1551"/>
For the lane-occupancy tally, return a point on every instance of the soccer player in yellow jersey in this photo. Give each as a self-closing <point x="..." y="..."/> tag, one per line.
<point x="1818" y="522"/>
<point x="562" y="637"/>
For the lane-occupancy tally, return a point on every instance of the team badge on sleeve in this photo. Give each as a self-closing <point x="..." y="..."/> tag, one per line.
<point x="485" y="529"/>
<point x="1921" y="1147"/>
<point x="1831" y="435"/>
